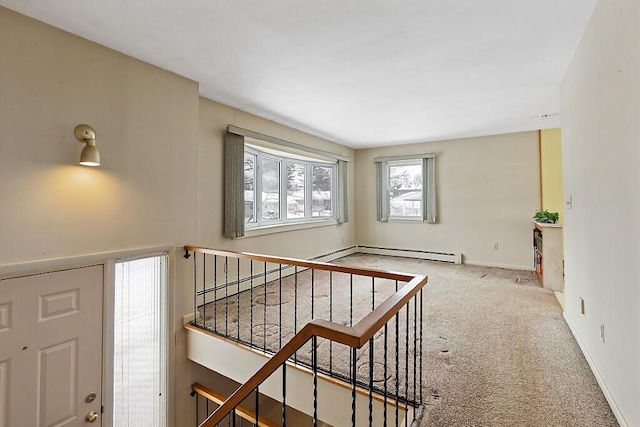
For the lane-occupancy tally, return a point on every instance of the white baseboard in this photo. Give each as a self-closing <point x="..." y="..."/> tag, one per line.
<point x="452" y="257"/>
<point x="499" y="265"/>
<point x="596" y="373"/>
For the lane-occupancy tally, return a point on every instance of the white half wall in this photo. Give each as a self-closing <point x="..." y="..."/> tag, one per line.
<point x="488" y="189"/>
<point x="601" y="164"/>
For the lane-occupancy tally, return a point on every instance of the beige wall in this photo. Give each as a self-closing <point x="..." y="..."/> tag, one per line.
<point x="214" y="118"/>
<point x="488" y="189"/>
<point x="601" y="162"/>
<point x="146" y="121"/>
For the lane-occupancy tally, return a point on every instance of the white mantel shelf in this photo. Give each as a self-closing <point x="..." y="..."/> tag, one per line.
<point x="546" y="224"/>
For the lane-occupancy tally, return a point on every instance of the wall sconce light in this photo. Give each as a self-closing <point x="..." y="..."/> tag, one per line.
<point x="90" y="155"/>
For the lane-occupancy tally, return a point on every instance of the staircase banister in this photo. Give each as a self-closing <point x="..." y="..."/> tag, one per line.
<point x="368" y="272"/>
<point x="355" y="336"/>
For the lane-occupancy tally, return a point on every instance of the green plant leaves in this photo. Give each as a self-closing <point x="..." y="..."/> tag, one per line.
<point x="546" y="217"/>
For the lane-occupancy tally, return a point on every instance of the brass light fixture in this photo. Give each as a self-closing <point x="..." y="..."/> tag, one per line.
<point x="90" y="155"/>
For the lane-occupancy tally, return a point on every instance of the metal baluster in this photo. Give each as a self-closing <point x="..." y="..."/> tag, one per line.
<point x="197" y="400"/>
<point x="280" y="306"/>
<point x="238" y="299"/>
<point x="313" y="285"/>
<point x="284" y="394"/>
<point x="257" y="392"/>
<point x="384" y="415"/>
<point x="353" y="386"/>
<point x="331" y="320"/>
<point x="215" y="293"/>
<point x="204" y="290"/>
<point x="415" y="352"/>
<point x="314" y="362"/>
<point x="421" y="346"/>
<point x="351" y="300"/>
<point x="251" y="305"/>
<point x="264" y="312"/>
<point x="371" y="382"/>
<point x="397" y="362"/>
<point x="373" y="293"/>
<point x="295" y="308"/>
<point x="195" y="287"/>
<point x="233" y="418"/>
<point x="406" y="364"/>
<point x="226" y="296"/>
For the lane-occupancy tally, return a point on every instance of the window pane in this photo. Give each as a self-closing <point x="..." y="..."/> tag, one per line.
<point x="270" y="189"/>
<point x="321" y="191"/>
<point x="139" y="343"/>
<point x="249" y="188"/>
<point x="405" y="190"/>
<point x="295" y="190"/>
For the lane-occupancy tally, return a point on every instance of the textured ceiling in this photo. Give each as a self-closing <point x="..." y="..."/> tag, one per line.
<point x="361" y="73"/>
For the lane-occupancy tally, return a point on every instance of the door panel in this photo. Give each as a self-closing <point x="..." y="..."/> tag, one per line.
<point x="51" y="347"/>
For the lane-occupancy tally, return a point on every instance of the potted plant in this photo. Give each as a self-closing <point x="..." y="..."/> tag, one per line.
<point x="546" y="217"/>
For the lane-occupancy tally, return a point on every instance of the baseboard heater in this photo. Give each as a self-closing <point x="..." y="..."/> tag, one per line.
<point x="455" y="258"/>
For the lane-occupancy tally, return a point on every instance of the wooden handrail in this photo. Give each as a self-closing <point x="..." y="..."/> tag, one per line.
<point x="369" y="272"/>
<point x="355" y="336"/>
<point x="240" y="410"/>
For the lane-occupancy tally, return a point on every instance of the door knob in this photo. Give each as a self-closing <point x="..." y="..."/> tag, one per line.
<point x="91" y="417"/>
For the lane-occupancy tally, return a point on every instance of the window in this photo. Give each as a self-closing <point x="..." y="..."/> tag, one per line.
<point x="288" y="188"/>
<point x="406" y="188"/>
<point x="140" y="349"/>
<point x="271" y="186"/>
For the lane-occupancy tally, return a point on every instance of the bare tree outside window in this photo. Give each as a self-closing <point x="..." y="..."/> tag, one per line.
<point x="405" y="190"/>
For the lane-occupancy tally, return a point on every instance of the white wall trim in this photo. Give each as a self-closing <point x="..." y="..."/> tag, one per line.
<point x="29" y="267"/>
<point x="454" y="257"/>
<point x="601" y="382"/>
<point x="499" y="265"/>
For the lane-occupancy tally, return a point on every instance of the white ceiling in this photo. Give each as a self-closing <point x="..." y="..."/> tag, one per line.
<point x="361" y="72"/>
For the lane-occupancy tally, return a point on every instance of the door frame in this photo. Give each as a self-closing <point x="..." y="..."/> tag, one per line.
<point x="108" y="261"/>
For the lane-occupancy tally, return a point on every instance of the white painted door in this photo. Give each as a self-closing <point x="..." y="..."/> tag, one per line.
<point x="51" y="348"/>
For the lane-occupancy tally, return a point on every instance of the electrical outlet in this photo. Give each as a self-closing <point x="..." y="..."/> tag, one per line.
<point x="495" y="246"/>
<point x="581" y="306"/>
<point x="602" y="332"/>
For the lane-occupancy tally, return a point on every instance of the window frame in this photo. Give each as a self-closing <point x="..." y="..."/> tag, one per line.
<point x="284" y="160"/>
<point x="383" y="191"/>
<point x="407" y="162"/>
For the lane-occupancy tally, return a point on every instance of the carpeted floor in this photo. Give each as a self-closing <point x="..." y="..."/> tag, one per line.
<point x="497" y="349"/>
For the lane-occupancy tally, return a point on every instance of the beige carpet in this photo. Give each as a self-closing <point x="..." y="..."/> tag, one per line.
<point x="497" y="350"/>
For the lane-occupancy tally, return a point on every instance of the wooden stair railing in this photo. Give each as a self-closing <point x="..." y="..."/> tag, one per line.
<point x="354" y="337"/>
<point x="241" y="411"/>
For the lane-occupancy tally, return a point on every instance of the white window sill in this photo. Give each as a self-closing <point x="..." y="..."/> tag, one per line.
<point x="281" y="228"/>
